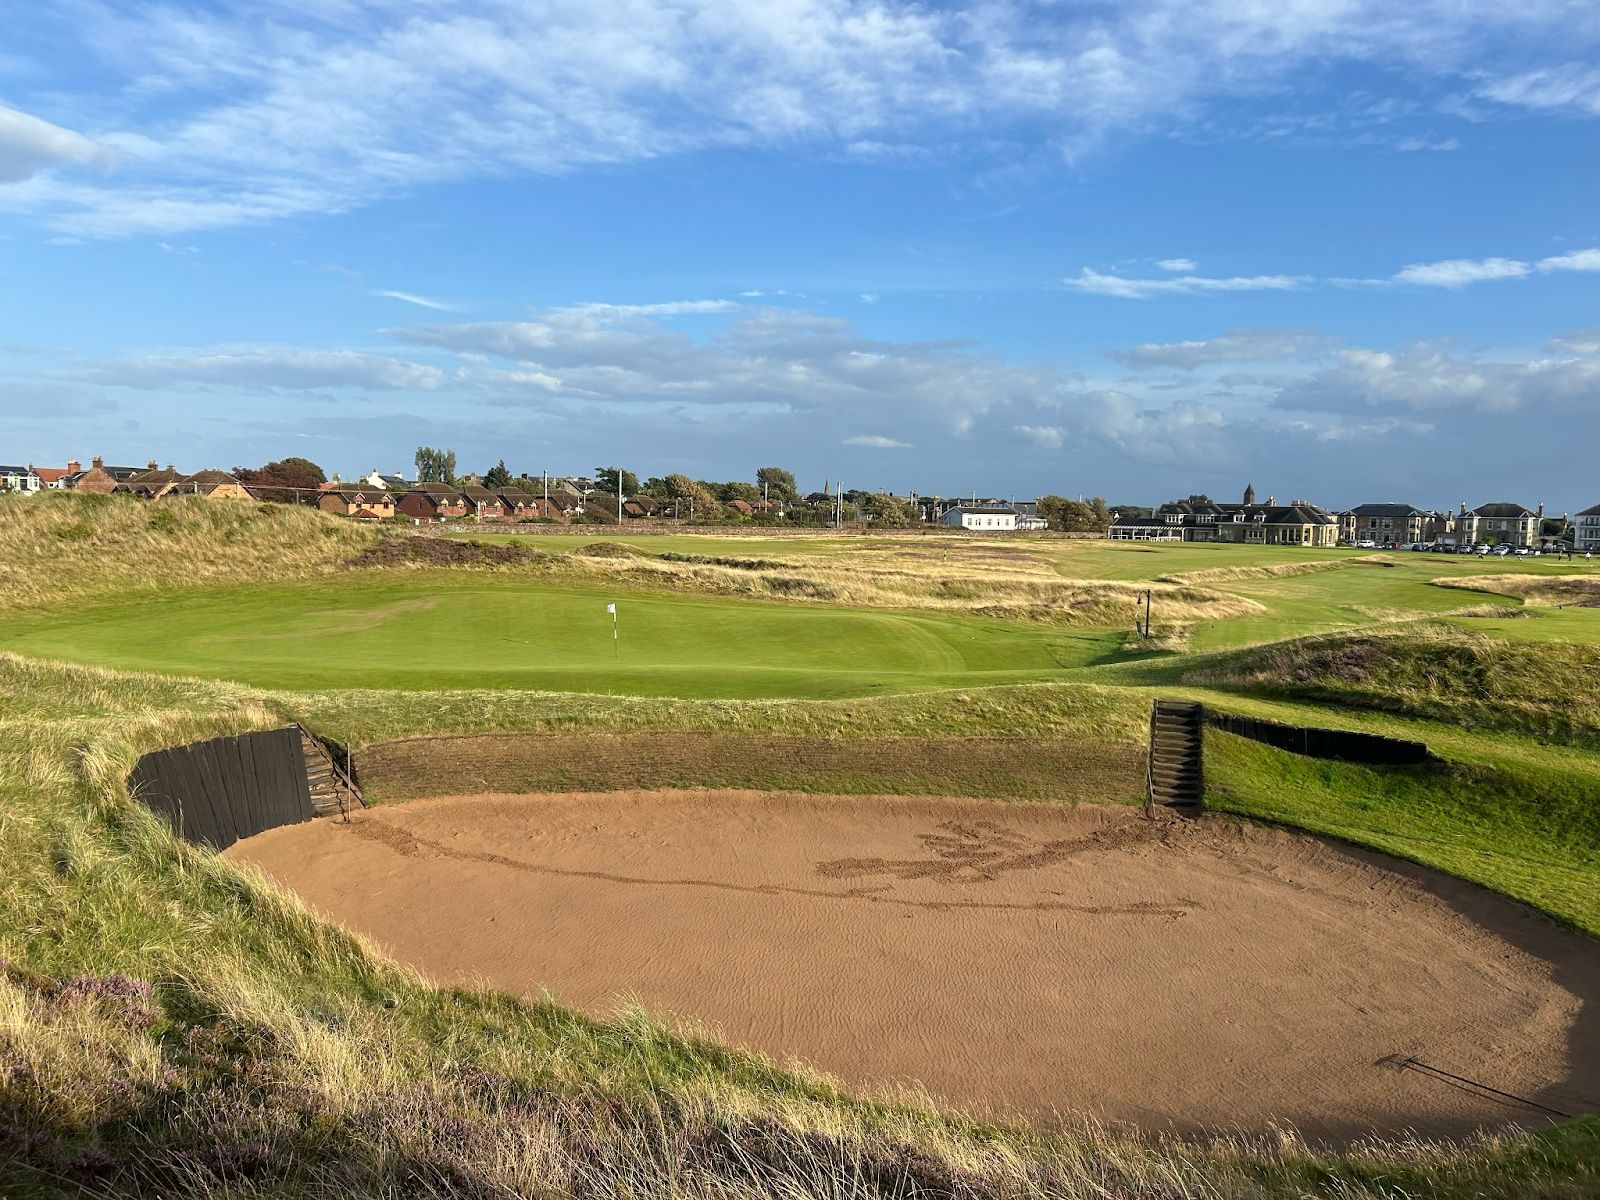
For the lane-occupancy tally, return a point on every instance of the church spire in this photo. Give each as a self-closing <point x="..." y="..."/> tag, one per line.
<point x="1249" y="493"/>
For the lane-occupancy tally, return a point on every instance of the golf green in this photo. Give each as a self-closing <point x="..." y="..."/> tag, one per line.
<point x="432" y="631"/>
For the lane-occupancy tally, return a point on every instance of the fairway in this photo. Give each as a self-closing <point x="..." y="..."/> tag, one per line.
<point x="438" y="631"/>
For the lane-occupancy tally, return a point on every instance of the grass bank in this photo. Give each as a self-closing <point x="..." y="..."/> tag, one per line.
<point x="1436" y="671"/>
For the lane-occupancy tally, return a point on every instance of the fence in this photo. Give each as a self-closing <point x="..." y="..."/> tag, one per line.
<point x="1342" y="744"/>
<point x="215" y="792"/>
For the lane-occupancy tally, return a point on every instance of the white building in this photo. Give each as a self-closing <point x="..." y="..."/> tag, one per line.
<point x="19" y="479"/>
<point x="988" y="518"/>
<point x="1586" y="530"/>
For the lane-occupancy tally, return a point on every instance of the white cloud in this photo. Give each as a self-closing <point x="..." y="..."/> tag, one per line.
<point x="273" y="367"/>
<point x="414" y="298"/>
<point x="1429" y="376"/>
<point x="1569" y="87"/>
<point x="1096" y="284"/>
<point x="667" y="308"/>
<point x="232" y="113"/>
<point x="1237" y="345"/>
<point x="29" y="145"/>
<point x="877" y="442"/>
<point x="1459" y="272"/>
<point x="1577" y="260"/>
<point x="1177" y="264"/>
<point x="1047" y="437"/>
<point x="869" y="297"/>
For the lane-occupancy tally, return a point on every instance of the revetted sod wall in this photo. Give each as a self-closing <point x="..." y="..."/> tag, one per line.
<point x="215" y="792"/>
<point x="1342" y="744"/>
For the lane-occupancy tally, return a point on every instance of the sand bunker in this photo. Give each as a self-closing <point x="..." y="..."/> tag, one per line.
<point x="1019" y="961"/>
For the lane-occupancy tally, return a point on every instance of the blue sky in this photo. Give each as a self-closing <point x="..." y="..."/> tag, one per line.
<point x="1345" y="250"/>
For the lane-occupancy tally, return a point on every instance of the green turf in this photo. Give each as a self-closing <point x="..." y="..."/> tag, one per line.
<point x="435" y="630"/>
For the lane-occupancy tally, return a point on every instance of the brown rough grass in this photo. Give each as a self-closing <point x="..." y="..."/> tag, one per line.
<point x="1540" y="591"/>
<point x="1274" y="570"/>
<point x="1011" y="586"/>
<point x="61" y="546"/>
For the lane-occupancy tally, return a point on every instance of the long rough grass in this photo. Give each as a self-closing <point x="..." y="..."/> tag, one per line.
<point x="1545" y="591"/>
<point x="1015" y="586"/>
<point x="60" y="546"/>
<point x="1431" y="670"/>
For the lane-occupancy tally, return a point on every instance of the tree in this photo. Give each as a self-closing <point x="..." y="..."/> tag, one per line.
<point x="1074" y="516"/>
<point x="435" y="466"/>
<point x="605" y="480"/>
<point x="738" y="489"/>
<point x="497" y="476"/>
<point x="888" y="511"/>
<point x="1199" y="498"/>
<point x="289" y="479"/>
<point x="780" y="484"/>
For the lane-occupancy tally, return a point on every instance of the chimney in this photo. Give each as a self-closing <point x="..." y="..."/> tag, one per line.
<point x="73" y="466"/>
<point x="96" y="463"/>
<point x="1541" y="510"/>
<point x="1272" y="501"/>
<point x="170" y="467"/>
<point x="1463" y="508"/>
<point x="151" y="465"/>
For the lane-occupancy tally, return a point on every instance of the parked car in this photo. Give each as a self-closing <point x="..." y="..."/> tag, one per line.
<point x="1366" y="544"/>
<point x="1524" y="552"/>
<point x="1465" y="549"/>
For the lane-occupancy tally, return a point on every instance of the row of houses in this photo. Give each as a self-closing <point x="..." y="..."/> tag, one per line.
<point x="149" y="482"/>
<point x="1301" y="523"/>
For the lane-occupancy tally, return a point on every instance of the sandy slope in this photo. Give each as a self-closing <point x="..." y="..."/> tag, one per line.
<point x="1016" y="960"/>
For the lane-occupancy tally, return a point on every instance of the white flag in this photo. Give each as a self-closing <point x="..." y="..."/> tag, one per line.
<point x="612" y="609"/>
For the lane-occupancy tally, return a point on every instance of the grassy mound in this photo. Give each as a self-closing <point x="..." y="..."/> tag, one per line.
<point x="1545" y="591"/>
<point x="1434" y="671"/>
<point x="64" y="545"/>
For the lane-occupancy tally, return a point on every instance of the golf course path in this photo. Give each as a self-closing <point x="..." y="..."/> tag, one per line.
<point x="1020" y="961"/>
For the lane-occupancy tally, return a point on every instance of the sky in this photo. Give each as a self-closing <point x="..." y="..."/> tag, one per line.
<point x="1347" y="250"/>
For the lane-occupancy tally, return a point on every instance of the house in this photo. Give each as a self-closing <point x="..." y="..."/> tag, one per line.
<point x="482" y="504"/>
<point x="50" y="478"/>
<point x="642" y="506"/>
<point x="741" y="508"/>
<point x="151" y="483"/>
<point x="211" y="484"/>
<point x="518" y="505"/>
<point x="1386" y="523"/>
<point x="1501" y="523"/>
<point x="364" y="502"/>
<point x="393" y="483"/>
<point x="432" y="502"/>
<point x="19" y="479"/>
<point x="991" y="518"/>
<point x="99" y="477"/>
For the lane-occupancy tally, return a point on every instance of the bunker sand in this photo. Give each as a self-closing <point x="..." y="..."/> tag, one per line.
<point x="1021" y="962"/>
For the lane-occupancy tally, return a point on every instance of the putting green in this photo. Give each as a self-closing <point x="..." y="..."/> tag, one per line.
<point x="437" y="632"/>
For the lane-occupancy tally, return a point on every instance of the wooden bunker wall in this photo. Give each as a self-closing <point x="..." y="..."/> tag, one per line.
<point x="215" y="792"/>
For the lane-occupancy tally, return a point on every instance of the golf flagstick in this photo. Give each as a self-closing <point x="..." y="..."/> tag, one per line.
<point x="612" y="609"/>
